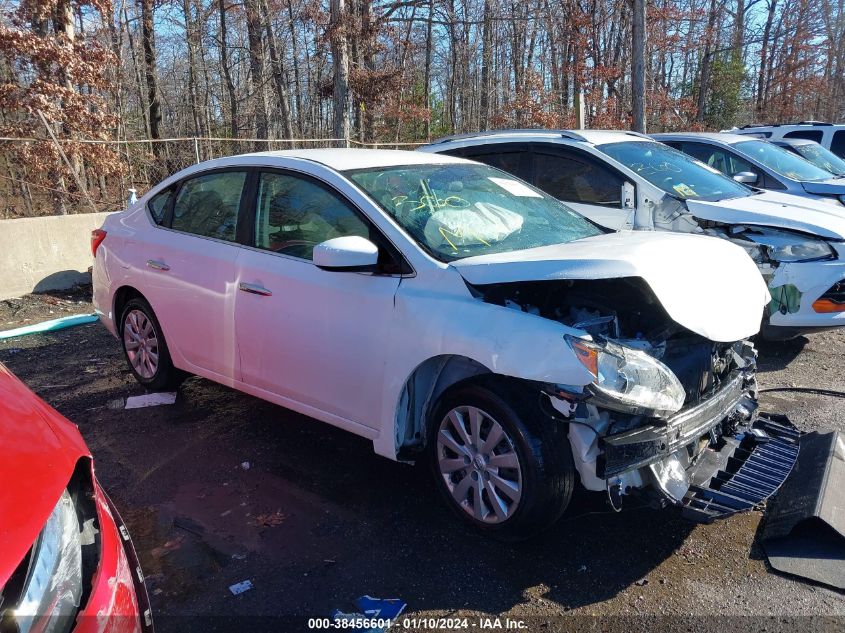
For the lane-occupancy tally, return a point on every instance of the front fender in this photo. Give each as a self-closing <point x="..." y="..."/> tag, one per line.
<point x="504" y="340"/>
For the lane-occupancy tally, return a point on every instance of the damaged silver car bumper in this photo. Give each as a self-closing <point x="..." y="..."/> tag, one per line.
<point x="646" y="445"/>
<point x="713" y="459"/>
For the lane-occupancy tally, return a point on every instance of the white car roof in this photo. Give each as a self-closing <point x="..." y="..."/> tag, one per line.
<point x="599" y="137"/>
<point x="721" y="137"/>
<point x="341" y="159"/>
<point x="594" y="137"/>
<point x="337" y="159"/>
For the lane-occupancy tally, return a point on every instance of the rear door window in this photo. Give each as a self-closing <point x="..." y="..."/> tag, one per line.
<point x="726" y="162"/>
<point x="208" y="205"/>
<point x="576" y="178"/>
<point x="810" y="135"/>
<point x="508" y="157"/>
<point x="837" y="146"/>
<point x="159" y="204"/>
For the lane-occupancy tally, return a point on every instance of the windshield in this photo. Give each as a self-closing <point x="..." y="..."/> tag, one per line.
<point x="821" y="157"/>
<point x="674" y="172"/>
<point x="461" y="210"/>
<point x="781" y="161"/>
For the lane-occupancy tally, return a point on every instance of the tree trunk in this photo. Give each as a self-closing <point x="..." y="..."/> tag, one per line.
<point x="340" y="64"/>
<point x="486" y="62"/>
<point x="704" y="83"/>
<point x="764" y="53"/>
<point x="429" y="27"/>
<point x="297" y="89"/>
<point x="279" y="74"/>
<point x="142" y="95"/>
<point x="227" y="72"/>
<point x="256" y="67"/>
<point x="190" y="36"/>
<point x="149" y="45"/>
<point x="638" y="39"/>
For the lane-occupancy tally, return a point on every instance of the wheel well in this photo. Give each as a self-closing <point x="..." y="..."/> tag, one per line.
<point x="123" y="296"/>
<point x="420" y="393"/>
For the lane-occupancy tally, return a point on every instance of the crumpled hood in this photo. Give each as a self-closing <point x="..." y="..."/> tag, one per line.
<point x="40" y="451"/>
<point x="706" y="284"/>
<point x="832" y="187"/>
<point x="777" y="210"/>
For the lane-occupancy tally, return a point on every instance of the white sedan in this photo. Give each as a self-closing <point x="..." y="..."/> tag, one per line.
<point x="449" y="312"/>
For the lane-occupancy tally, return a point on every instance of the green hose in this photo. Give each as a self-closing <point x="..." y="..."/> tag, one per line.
<point x="50" y="326"/>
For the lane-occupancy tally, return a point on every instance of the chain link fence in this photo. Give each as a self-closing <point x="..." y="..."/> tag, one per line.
<point x="37" y="178"/>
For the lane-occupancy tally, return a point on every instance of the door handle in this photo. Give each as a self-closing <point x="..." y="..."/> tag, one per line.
<point x="151" y="263"/>
<point x="254" y="289"/>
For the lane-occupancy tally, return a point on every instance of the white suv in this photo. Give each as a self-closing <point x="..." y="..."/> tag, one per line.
<point x="450" y="312"/>
<point x="624" y="180"/>
<point x="829" y="135"/>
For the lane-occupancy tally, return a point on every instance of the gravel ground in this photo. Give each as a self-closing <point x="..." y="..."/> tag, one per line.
<point x="221" y="487"/>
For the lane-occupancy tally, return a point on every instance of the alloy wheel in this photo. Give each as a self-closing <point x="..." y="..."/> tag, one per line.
<point x="141" y="343"/>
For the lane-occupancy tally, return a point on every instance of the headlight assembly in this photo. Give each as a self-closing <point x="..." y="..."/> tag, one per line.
<point x="52" y="589"/>
<point x="783" y="246"/>
<point x="627" y="379"/>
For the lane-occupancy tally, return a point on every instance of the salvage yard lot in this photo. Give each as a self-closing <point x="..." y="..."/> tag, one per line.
<point x="222" y="487"/>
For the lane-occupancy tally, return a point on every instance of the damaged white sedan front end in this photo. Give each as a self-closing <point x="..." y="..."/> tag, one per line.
<point x="673" y="396"/>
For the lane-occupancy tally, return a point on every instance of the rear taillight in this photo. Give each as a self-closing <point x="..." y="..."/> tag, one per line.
<point x="97" y="237"/>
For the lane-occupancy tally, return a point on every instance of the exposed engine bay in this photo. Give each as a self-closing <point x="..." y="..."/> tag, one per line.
<point x="622" y="448"/>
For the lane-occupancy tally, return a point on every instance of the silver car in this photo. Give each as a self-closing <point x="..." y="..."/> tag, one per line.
<point x="759" y="163"/>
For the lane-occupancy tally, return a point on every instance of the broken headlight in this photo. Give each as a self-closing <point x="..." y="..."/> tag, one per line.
<point x="628" y="379"/>
<point x="783" y="246"/>
<point x="52" y="587"/>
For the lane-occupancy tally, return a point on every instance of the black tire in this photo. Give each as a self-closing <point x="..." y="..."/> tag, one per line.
<point x="166" y="376"/>
<point x="540" y="443"/>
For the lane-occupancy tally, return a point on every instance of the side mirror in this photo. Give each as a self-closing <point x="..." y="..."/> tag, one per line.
<point x="346" y="254"/>
<point x="746" y="177"/>
<point x="629" y="193"/>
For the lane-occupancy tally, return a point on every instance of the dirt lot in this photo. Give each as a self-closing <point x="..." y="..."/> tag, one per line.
<point x="222" y="487"/>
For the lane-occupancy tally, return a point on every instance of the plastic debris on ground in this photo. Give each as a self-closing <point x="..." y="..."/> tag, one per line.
<point x="50" y="326"/>
<point x="240" y="587"/>
<point x="804" y="532"/>
<point x="151" y="400"/>
<point x="373" y="609"/>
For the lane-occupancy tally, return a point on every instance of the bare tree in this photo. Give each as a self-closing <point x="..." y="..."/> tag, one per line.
<point x="340" y="64"/>
<point x="638" y="40"/>
<point x="258" y="97"/>
<point x="277" y="66"/>
<point x="150" y="72"/>
<point x="227" y="72"/>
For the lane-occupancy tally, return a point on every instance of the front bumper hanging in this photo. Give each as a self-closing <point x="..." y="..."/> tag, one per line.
<point x="749" y="469"/>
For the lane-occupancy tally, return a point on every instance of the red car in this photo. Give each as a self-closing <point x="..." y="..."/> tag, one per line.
<point x="66" y="560"/>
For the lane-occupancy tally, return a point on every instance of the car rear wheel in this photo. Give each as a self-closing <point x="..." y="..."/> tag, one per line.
<point x="501" y="464"/>
<point x="145" y="348"/>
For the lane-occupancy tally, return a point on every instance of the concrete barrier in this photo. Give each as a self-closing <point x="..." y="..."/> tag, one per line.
<point x="47" y="253"/>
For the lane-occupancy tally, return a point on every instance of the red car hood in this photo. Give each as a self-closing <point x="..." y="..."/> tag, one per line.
<point x="40" y="450"/>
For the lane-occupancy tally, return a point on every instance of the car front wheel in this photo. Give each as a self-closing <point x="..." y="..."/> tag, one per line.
<point x="145" y="348"/>
<point x="501" y="464"/>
